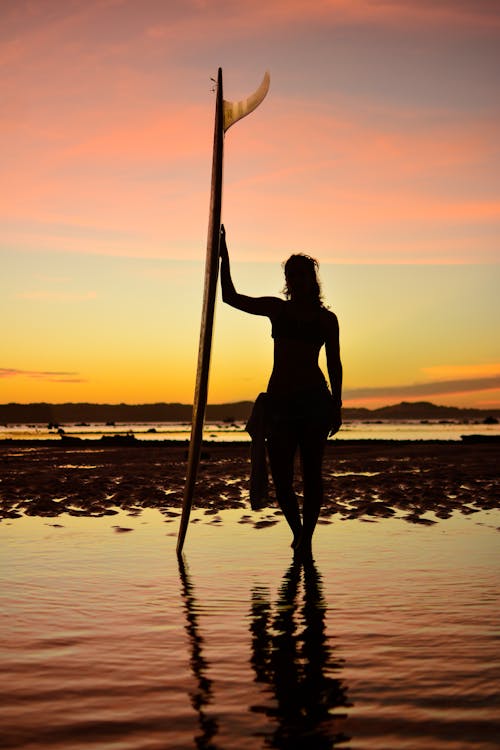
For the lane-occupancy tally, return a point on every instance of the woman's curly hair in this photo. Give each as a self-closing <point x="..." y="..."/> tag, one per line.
<point x="308" y="265"/>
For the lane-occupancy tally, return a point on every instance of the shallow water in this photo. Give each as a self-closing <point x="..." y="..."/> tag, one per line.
<point x="388" y="641"/>
<point x="235" y="432"/>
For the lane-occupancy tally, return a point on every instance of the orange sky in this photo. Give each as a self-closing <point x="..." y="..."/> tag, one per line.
<point x="376" y="150"/>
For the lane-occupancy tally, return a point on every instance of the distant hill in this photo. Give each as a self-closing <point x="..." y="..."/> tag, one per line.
<point x="42" y="413"/>
<point x="421" y="410"/>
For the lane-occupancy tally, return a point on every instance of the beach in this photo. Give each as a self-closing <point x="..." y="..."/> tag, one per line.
<point x="387" y="641"/>
<point x="362" y="479"/>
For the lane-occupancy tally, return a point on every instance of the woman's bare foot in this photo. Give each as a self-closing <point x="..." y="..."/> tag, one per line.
<point x="297" y="536"/>
<point x="303" y="550"/>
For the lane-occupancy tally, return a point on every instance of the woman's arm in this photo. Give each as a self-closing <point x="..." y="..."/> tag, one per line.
<point x="334" y="364"/>
<point x="254" y="305"/>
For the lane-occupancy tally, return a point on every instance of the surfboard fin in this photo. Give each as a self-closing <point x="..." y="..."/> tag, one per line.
<point x="234" y="111"/>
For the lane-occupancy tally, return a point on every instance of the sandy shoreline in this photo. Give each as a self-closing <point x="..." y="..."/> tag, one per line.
<point x="362" y="480"/>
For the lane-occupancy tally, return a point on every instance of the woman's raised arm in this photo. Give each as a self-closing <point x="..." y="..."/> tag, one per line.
<point x="253" y="305"/>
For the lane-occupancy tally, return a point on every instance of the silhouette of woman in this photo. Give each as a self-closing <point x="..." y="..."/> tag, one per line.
<point x="301" y="410"/>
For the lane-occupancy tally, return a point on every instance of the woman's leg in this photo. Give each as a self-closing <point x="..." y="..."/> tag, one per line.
<point x="281" y="448"/>
<point x="312" y="445"/>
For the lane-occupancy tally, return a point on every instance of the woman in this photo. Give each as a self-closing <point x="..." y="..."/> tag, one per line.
<point x="302" y="412"/>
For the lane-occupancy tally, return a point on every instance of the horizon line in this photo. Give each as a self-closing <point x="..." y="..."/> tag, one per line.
<point x="240" y="401"/>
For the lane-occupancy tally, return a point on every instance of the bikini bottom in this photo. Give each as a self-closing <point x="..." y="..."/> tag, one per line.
<point x="305" y="410"/>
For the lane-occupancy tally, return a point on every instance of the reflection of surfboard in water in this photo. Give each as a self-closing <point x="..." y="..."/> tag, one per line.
<point x="226" y="113"/>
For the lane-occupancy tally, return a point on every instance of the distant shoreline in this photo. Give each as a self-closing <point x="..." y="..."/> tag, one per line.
<point x="65" y="413"/>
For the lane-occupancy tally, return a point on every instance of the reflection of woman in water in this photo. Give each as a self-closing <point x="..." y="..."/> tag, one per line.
<point x="291" y="654"/>
<point x="302" y="412"/>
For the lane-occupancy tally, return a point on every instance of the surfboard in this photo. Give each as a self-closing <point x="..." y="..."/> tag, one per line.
<point x="226" y="114"/>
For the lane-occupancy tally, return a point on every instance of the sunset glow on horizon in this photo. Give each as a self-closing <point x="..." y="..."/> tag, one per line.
<point x="376" y="151"/>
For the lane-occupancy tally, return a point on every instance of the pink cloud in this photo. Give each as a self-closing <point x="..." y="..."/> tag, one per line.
<point x="369" y="186"/>
<point x="106" y="154"/>
<point x="161" y="137"/>
<point x="115" y="29"/>
<point x="147" y="180"/>
<point x="243" y="19"/>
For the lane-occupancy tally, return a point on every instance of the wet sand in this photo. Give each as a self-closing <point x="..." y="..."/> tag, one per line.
<point x="366" y="480"/>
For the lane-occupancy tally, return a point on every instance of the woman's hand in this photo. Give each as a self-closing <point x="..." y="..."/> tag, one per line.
<point x="223" y="253"/>
<point x="335" y="417"/>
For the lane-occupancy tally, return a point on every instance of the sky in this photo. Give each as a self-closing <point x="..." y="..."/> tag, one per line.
<point x="376" y="150"/>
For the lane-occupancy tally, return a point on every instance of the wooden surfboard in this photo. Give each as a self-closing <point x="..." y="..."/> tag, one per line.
<point x="226" y="114"/>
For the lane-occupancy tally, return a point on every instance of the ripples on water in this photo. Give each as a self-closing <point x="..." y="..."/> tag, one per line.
<point x="388" y="641"/>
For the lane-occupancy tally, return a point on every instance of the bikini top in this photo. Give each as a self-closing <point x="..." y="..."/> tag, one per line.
<point x="287" y="326"/>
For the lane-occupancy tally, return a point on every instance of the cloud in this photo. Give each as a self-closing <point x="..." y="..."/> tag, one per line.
<point x="357" y="175"/>
<point x="466" y="13"/>
<point x="103" y="129"/>
<point x="246" y="18"/>
<point x="417" y="390"/>
<point x="399" y="189"/>
<point x="51" y="377"/>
